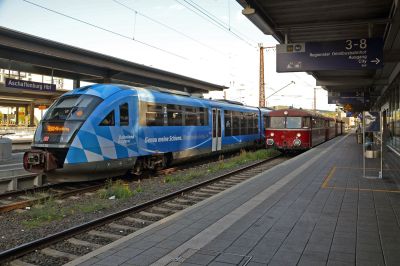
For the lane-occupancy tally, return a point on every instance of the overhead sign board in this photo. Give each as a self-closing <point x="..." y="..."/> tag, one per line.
<point x="29" y="85"/>
<point x="347" y="98"/>
<point x="352" y="54"/>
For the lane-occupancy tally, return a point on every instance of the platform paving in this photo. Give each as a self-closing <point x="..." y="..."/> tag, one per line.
<point x="315" y="209"/>
<point x="12" y="166"/>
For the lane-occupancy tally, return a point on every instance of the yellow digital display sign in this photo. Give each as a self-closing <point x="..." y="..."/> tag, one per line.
<point x="57" y="129"/>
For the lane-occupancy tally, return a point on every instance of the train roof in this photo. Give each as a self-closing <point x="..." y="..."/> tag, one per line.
<point x="157" y="94"/>
<point x="294" y="112"/>
<point x="100" y="90"/>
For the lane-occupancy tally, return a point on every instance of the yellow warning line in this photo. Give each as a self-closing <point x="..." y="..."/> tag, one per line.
<point x="364" y="189"/>
<point x="328" y="177"/>
<point x="332" y="172"/>
<point x="358" y="168"/>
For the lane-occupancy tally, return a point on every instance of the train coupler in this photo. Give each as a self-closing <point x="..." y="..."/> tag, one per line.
<point x="38" y="161"/>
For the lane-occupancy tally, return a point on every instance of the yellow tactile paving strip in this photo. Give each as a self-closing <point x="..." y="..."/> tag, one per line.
<point x="333" y="174"/>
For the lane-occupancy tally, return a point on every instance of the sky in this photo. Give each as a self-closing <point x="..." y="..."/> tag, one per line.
<point x="208" y="40"/>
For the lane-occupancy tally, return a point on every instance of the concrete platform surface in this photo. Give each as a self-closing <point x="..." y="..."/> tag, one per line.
<point x="12" y="166"/>
<point x="315" y="209"/>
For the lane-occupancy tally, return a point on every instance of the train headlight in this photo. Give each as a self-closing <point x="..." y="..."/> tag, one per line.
<point x="298" y="135"/>
<point x="270" y="142"/>
<point x="296" y="142"/>
<point x="272" y="134"/>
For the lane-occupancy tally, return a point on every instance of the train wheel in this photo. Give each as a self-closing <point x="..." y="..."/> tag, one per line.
<point x="162" y="163"/>
<point x="138" y="168"/>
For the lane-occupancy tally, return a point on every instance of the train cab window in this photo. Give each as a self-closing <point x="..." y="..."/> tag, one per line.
<point x="276" y="122"/>
<point x="123" y="115"/>
<point x="293" y="122"/>
<point x="76" y="107"/>
<point x="109" y="120"/>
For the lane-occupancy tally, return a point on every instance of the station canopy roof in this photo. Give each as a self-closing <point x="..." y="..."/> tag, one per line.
<point x="27" y="53"/>
<point x="329" y="20"/>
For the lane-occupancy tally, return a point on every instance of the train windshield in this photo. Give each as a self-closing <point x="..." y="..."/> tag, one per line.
<point x="77" y="107"/>
<point x="64" y="118"/>
<point x="289" y="122"/>
<point x="293" y="122"/>
<point x="276" y="122"/>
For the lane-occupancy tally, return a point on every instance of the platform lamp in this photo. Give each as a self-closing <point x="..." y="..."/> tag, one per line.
<point x="257" y="20"/>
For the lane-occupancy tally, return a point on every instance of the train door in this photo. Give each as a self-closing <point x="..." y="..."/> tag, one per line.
<point x="216" y="129"/>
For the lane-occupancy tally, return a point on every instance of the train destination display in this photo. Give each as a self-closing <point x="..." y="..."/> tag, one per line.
<point x="352" y="54"/>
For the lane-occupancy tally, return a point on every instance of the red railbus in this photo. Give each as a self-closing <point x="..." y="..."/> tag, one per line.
<point x="297" y="129"/>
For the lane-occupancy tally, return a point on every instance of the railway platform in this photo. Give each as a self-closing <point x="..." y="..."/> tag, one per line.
<point x="314" y="209"/>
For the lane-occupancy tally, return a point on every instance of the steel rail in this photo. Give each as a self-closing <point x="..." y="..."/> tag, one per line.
<point x="26" y="203"/>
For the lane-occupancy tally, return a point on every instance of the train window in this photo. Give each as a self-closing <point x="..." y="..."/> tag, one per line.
<point x="256" y="122"/>
<point x="123" y="115"/>
<point x="243" y="124"/>
<point x="203" y="116"/>
<point x="320" y="122"/>
<point x="154" y="115"/>
<point x="235" y="123"/>
<point x="228" y="122"/>
<point x="252" y="123"/>
<point x="276" y="122"/>
<point x="175" y="115"/>
<point x="293" y="122"/>
<point x="265" y="121"/>
<point x="191" y="117"/>
<point x="306" y="122"/>
<point x="109" y="120"/>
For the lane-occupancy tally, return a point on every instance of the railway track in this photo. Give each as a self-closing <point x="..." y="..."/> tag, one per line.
<point x="20" y="199"/>
<point x="23" y="198"/>
<point x="62" y="247"/>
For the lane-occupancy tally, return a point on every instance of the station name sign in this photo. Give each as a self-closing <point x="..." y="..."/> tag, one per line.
<point x="29" y="85"/>
<point x="351" y="54"/>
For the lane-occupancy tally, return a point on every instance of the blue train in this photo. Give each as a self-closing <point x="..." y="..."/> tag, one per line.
<point x="106" y="130"/>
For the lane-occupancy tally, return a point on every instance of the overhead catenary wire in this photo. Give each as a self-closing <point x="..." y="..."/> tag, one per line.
<point x="198" y="11"/>
<point x="106" y="30"/>
<point x="228" y="26"/>
<point x="168" y="27"/>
